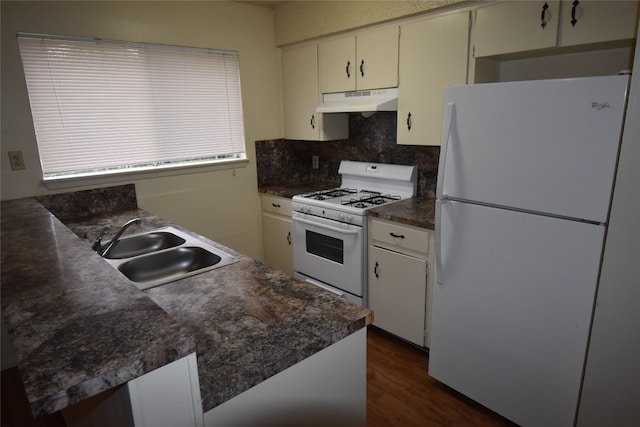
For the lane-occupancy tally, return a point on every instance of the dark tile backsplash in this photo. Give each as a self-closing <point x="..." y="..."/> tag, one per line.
<point x="373" y="139"/>
<point x="89" y="203"/>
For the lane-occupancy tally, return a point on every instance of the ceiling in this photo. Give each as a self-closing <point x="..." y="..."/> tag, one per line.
<point x="264" y="3"/>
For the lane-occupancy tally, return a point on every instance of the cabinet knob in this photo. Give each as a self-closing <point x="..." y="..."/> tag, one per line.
<point x="348" y="69"/>
<point x="574" y="21"/>
<point x="362" y="68"/>
<point x="409" y="121"/>
<point x="543" y="15"/>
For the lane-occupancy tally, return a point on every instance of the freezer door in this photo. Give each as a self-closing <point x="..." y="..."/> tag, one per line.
<point x="547" y="146"/>
<point x="511" y="314"/>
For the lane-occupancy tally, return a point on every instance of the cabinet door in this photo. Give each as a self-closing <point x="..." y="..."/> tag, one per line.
<point x="596" y="21"/>
<point x="397" y="293"/>
<point x="276" y="235"/>
<point x="377" y="63"/>
<point x="507" y="27"/>
<point x="433" y="54"/>
<point x="300" y="93"/>
<point x="337" y="66"/>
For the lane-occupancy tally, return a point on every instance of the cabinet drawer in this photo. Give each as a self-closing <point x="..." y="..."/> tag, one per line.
<point x="279" y="205"/>
<point x="400" y="236"/>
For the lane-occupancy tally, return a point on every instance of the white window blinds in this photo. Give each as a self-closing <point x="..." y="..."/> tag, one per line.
<point x="102" y="106"/>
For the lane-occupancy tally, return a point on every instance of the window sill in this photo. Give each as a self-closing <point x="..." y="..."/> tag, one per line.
<point x="60" y="183"/>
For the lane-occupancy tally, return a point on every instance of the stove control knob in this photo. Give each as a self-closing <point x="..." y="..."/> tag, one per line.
<point x="307" y="209"/>
<point x="343" y="217"/>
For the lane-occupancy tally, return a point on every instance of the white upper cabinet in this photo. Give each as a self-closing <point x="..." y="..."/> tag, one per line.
<point x="519" y="26"/>
<point x="367" y="60"/>
<point x="377" y="58"/>
<point x="516" y="26"/>
<point x="584" y="22"/>
<point x="301" y="97"/>
<point x="433" y="54"/>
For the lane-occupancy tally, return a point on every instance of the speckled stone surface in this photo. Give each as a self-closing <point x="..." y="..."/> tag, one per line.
<point x="77" y="327"/>
<point x="418" y="211"/>
<point x="286" y="163"/>
<point x="89" y="203"/>
<point x="249" y="321"/>
<point x="252" y="322"/>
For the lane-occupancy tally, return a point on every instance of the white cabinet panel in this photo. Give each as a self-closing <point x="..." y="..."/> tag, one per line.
<point x="397" y="293"/>
<point x="367" y="60"/>
<point x="301" y="96"/>
<point x="516" y="26"/>
<point x="596" y="21"/>
<point x="276" y="232"/>
<point x="433" y="54"/>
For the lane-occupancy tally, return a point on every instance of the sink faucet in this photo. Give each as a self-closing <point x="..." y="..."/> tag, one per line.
<point x="103" y="251"/>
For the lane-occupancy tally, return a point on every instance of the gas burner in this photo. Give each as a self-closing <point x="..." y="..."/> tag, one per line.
<point x="380" y="200"/>
<point x="329" y="194"/>
<point x="366" y="202"/>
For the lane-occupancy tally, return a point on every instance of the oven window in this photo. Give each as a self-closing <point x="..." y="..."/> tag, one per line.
<point x="325" y="246"/>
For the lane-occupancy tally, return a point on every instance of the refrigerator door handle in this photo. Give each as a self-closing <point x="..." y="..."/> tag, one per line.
<point x="438" y="228"/>
<point x="449" y="117"/>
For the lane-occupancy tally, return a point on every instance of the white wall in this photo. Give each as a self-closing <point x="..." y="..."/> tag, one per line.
<point x="224" y="205"/>
<point x="303" y="20"/>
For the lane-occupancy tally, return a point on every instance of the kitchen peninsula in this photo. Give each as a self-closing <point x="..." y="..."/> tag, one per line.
<point x="79" y="328"/>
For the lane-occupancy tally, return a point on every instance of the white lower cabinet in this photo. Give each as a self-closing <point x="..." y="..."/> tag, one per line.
<point x="399" y="283"/>
<point x="276" y="232"/>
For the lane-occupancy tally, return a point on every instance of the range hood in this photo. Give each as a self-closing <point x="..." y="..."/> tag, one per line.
<point x="362" y="101"/>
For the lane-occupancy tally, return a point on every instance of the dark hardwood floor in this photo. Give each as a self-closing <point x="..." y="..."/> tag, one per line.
<point x="399" y="393"/>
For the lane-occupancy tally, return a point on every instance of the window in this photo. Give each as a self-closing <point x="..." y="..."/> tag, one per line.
<point x="103" y="107"/>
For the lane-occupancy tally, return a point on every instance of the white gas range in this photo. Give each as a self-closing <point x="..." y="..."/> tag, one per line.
<point x="330" y="226"/>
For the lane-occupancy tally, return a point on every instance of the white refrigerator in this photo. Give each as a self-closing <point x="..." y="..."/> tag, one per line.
<point x="525" y="180"/>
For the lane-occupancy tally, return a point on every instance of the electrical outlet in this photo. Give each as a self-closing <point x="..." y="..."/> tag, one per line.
<point x="16" y="160"/>
<point x="315" y="162"/>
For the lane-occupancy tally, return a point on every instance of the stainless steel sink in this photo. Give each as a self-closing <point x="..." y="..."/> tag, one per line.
<point x="164" y="265"/>
<point x="141" y="244"/>
<point x="165" y="255"/>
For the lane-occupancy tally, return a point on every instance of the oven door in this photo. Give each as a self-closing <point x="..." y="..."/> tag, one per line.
<point x="329" y="251"/>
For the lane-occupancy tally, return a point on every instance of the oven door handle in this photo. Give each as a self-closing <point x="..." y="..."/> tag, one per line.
<point x="323" y="286"/>
<point x="326" y="227"/>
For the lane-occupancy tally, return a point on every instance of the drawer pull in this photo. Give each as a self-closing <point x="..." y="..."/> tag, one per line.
<point x="397" y="236"/>
<point x="574" y="21"/>
<point x="275" y="205"/>
<point x="289" y="238"/>
<point x="543" y="16"/>
<point x="375" y="270"/>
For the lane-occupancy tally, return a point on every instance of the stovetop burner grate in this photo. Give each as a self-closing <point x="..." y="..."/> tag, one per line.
<point x="368" y="201"/>
<point x="330" y="194"/>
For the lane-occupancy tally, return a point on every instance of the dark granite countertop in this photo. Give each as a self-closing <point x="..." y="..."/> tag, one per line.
<point x="76" y="326"/>
<point x="79" y="327"/>
<point x="288" y="191"/>
<point x="417" y="211"/>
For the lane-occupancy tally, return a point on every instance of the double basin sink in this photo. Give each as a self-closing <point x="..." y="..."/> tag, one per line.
<point x="164" y="255"/>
